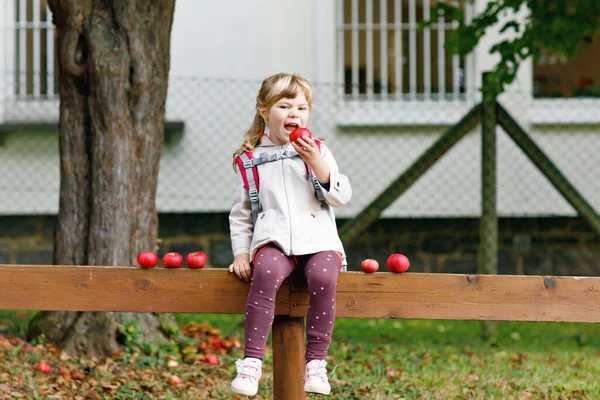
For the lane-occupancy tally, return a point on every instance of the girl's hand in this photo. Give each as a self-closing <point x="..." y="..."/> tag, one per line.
<point x="241" y="266"/>
<point x="309" y="152"/>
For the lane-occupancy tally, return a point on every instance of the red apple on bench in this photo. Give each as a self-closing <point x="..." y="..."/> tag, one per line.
<point x="147" y="259"/>
<point x="369" y="265"/>
<point x="398" y="263"/>
<point x="196" y="260"/>
<point x="172" y="260"/>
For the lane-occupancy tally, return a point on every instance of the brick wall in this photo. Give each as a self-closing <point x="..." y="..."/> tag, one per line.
<point x="539" y="246"/>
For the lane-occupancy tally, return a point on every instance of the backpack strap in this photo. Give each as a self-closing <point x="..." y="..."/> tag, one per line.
<point x="251" y="182"/>
<point x="278" y="155"/>
<point x="249" y="171"/>
<point x="315" y="182"/>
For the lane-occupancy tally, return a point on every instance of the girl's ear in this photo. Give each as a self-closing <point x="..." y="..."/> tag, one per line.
<point x="263" y="113"/>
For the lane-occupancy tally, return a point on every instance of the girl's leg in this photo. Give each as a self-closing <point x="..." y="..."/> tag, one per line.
<point x="321" y="271"/>
<point x="271" y="268"/>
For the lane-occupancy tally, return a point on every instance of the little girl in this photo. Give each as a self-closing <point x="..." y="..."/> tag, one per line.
<point x="292" y="228"/>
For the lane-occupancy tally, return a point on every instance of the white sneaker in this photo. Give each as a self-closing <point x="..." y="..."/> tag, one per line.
<point x="315" y="377"/>
<point x="249" y="372"/>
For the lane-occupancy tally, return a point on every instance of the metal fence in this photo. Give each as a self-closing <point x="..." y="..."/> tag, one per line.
<point x="374" y="141"/>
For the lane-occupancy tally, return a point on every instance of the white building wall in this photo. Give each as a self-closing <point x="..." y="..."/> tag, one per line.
<point x="5" y="12"/>
<point x="220" y="53"/>
<point x="237" y="39"/>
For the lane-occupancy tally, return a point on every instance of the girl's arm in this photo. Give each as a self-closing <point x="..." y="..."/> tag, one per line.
<point x="326" y="170"/>
<point x="241" y="229"/>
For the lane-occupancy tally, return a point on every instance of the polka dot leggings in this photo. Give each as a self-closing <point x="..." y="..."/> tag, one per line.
<point x="271" y="268"/>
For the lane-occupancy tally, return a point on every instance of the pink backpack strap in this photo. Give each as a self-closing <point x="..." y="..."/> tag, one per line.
<point x="254" y="169"/>
<point x="245" y="163"/>
<point x="244" y="170"/>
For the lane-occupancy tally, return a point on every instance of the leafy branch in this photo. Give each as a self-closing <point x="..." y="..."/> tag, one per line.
<point x="555" y="25"/>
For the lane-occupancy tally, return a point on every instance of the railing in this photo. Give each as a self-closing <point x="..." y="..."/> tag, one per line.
<point x="29" y="48"/>
<point x="382" y="52"/>
<point x="359" y="295"/>
<point x="28" y="70"/>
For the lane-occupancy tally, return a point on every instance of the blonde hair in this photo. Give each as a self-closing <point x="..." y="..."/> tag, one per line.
<point x="273" y="89"/>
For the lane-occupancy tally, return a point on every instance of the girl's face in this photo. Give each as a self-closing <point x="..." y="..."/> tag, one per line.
<point x="284" y="116"/>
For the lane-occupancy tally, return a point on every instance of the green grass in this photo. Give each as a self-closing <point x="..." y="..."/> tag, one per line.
<point x="413" y="359"/>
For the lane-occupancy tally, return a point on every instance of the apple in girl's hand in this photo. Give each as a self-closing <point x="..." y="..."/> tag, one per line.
<point x="172" y="260"/>
<point x="196" y="260"/>
<point x="369" y="265"/>
<point x="299" y="133"/>
<point x="398" y="263"/>
<point x="174" y="380"/>
<point x="211" y="359"/>
<point x="147" y="259"/>
<point x="43" y="366"/>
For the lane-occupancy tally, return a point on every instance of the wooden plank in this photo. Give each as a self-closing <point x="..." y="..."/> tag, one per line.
<point x="461" y="297"/>
<point x="125" y="289"/>
<point x="379" y="295"/>
<point x="288" y="358"/>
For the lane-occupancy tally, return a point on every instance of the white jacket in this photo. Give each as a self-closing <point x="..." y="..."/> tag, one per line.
<point x="292" y="218"/>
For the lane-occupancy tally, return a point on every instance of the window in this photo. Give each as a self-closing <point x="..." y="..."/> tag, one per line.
<point x="557" y="76"/>
<point x="382" y="52"/>
<point x="30" y="50"/>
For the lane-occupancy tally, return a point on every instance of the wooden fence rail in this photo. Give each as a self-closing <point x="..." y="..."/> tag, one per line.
<point x="359" y="295"/>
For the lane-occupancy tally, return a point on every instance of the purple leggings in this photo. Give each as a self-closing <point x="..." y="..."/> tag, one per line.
<point x="271" y="268"/>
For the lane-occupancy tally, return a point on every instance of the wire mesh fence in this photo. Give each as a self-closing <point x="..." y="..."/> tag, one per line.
<point x="374" y="139"/>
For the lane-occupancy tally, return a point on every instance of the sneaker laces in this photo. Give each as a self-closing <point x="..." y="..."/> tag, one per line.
<point x="317" y="368"/>
<point x="244" y="369"/>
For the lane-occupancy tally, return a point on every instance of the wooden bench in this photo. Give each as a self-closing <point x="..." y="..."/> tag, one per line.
<point x="359" y="295"/>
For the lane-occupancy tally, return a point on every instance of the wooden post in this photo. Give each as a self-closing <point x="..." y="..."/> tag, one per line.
<point x="288" y="358"/>
<point x="488" y="226"/>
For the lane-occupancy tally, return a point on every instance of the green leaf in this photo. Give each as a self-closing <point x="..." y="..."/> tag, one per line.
<point x="558" y="26"/>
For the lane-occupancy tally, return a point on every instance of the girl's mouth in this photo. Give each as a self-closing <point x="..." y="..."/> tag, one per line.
<point x="290" y="127"/>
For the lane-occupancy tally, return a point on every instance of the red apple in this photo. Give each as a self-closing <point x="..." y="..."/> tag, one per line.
<point x="369" y="265"/>
<point x="43" y="367"/>
<point x="174" y="380"/>
<point x="211" y="359"/>
<point x="172" y="260"/>
<point x="215" y="342"/>
<point x="299" y="133"/>
<point x="398" y="263"/>
<point x="196" y="259"/>
<point x="147" y="259"/>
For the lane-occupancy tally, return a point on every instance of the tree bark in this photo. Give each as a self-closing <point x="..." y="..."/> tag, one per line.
<point x="114" y="58"/>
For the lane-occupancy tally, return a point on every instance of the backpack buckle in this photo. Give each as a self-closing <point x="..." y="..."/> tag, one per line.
<point x="263" y="158"/>
<point x="248" y="164"/>
<point x="253" y="195"/>
<point x="315" y="182"/>
<point x="286" y="154"/>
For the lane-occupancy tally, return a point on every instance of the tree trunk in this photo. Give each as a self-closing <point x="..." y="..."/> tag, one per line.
<point x="113" y="72"/>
